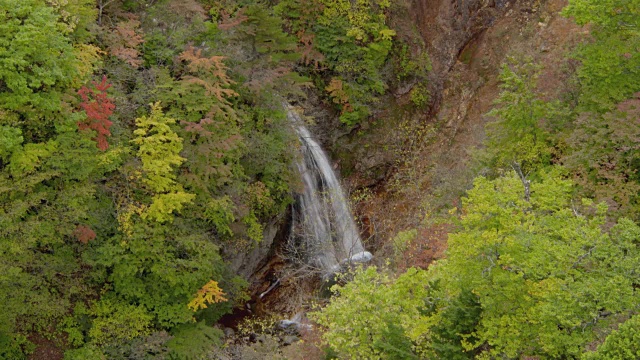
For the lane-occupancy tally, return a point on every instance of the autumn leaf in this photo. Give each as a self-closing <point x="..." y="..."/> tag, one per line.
<point x="227" y="22"/>
<point x="84" y="234"/>
<point x="336" y="91"/>
<point x="123" y="41"/>
<point x="210" y="293"/>
<point x="98" y="108"/>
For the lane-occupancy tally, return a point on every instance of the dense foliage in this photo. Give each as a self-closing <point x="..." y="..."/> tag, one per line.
<point x="141" y="140"/>
<point x="128" y="157"/>
<point x="535" y="268"/>
<point x="523" y="277"/>
<point x="138" y="139"/>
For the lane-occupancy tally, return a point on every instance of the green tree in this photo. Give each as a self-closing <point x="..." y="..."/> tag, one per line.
<point x="78" y="18"/>
<point x="454" y="327"/>
<point x="370" y="316"/>
<point x="159" y="149"/>
<point x="211" y="125"/>
<point x="517" y="138"/>
<point x="545" y="275"/>
<point x="610" y="70"/>
<point x="46" y="196"/>
<point x="621" y="344"/>
<point x="160" y="267"/>
<point x="37" y="66"/>
<point x="194" y="341"/>
<point x="116" y="321"/>
<point x="268" y="53"/>
<point x="603" y="156"/>
<point x="46" y="167"/>
<point x="352" y="40"/>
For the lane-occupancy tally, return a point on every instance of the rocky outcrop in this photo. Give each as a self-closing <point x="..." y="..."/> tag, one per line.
<point x="246" y="263"/>
<point x="447" y="27"/>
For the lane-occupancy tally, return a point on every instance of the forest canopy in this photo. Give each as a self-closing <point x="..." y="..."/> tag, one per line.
<point x="143" y="142"/>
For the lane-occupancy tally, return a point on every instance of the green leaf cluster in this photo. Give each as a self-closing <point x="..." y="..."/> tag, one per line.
<point x="370" y="317"/>
<point x="621" y="344"/>
<point x="519" y="134"/>
<point x="352" y="40"/>
<point x="610" y="70"/>
<point x="540" y="270"/>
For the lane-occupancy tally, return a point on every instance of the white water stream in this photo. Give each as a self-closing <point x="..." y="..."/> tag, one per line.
<point x="322" y="219"/>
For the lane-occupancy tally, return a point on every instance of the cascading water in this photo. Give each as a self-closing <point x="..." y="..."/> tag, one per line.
<point x="322" y="218"/>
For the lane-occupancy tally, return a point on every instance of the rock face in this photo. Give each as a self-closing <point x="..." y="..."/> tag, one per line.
<point x="447" y="27"/>
<point x="246" y="263"/>
<point x="450" y="30"/>
<point x="409" y="159"/>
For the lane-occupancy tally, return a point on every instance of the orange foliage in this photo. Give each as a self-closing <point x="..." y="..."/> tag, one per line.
<point x="338" y="95"/>
<point x="211" y="73"/>
<point x="210" y="293"/>
<point x="198" y="63"/>
<point x="211" y="89"/>
<point x="84" y="234"/>
<point x="308" y="52"/>
<point x="124" y="40"/>
<point x="226" y="22"/>
<point x="212" y="139"/>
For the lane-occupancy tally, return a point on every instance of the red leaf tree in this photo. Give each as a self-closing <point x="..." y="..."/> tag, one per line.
<point x="98" y="107"/>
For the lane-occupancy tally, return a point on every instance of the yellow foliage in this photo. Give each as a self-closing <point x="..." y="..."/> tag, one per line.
<point x="387" y="34"/>
<point x="210" y="293"/>
<point x="124" y="218"/>
<point x="336" y="91"/>
<point x="366" y="17"/>
<point x="88" y="57"/>
<point x="163" y="205"/>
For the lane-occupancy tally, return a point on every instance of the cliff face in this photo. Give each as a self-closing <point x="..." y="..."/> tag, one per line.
<point x="417" y="162"/>
<point x="447" y="27"/>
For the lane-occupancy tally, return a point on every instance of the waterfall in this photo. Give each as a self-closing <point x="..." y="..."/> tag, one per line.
<point x="322" y="217"/>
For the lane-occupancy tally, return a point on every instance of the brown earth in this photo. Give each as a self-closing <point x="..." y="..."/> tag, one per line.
<point x="46" y="349"/>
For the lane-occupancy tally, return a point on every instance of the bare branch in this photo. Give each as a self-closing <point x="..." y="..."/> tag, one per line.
<point x="526" y="183"/>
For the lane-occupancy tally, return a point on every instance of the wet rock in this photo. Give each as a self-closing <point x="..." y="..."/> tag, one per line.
<point x="290" y="339"/>
<point x="228" y="332"/>
<point x="295" y="325"/>
<point x="361" y="257"/>
<point x="288" y="326"/>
